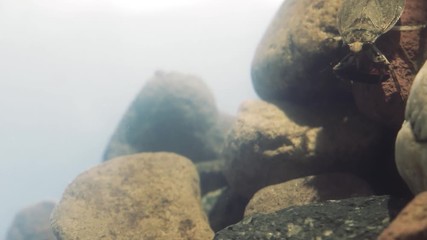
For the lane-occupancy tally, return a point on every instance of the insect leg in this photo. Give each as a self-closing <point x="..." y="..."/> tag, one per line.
<point x="409" y="28"/>
<point x="381" y="58"/>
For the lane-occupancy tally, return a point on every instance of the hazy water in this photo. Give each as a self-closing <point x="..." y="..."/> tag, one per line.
<point x="68" y="70"/>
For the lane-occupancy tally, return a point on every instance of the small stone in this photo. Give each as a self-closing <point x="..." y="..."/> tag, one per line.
<point x="411" y="223"/>
<point x="32" y="223"/>
<point x="307" y="190"/>
<point x="142" y="196"/>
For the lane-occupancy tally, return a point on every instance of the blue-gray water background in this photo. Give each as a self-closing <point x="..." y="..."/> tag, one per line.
<point x="69" y="69"/>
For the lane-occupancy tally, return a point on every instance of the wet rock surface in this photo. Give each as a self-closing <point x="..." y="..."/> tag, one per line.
<point x="32" y="223"/>
<point x="173" y="112"/>
<point x="142" y="196"/>
<point x="356" y="218"/>
<point x="271" y="143"/>
<point x="411" y="223"/>
<point x="411" y="147"/>
<point x="306" y="190"/>
<point x="293" y="60"/>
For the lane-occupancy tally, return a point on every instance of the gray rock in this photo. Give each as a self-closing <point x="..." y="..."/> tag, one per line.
<point x="411" y="145"/>
<point x="32" y="223"/>
<point x="142" y="196"/>
<point x="173" y="112"/>
<point x="293" y="60"/>
<point x="306" y="190"/>
<point x="271" y="144"/>
<point x="415" y="112"/>
<point x="355" y="218"/>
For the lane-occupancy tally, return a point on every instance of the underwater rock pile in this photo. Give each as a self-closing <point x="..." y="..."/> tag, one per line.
<point x="314" y="158"/>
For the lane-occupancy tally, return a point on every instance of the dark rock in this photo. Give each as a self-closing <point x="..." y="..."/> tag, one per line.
<point x="211" y="176"/>
<point x="173" y="112"/>
<point x="226" y="208"/>
<point x="32" y="223"/>
<point x="355" y="218"/>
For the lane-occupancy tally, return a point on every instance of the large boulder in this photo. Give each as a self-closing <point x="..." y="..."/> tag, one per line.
<point x="32" y="223"/>
<point x="294" y="60"/>
<point x="173" y="112"/>
<point x="270" y="144"/>
<point x="142" y="196"/>
<point x="354" y="218"/>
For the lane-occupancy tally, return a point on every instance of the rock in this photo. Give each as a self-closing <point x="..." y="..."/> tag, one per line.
<point x="307" y="190"/>
<point x="411" y="223"/>
<point x="211" y="176"/>
<point x="225" y="208"/>
<point x="355" y="218"/>
<point x="174" y="112"/>
<point x="271" y="144"/>
<point x="32" y="223"/>
<point x="411" y="147"/>
<point x="293" y="59"/>
<point x="142" y="196"/>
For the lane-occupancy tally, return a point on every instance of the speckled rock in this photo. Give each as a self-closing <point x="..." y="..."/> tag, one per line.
<point x="173" y="112"/>
<point x="355" y="218"/>
<point x="271" y="144"/>
<point x="411" y="147"/>
<point x="307" y="190"/>
<point x="142" y="196"/>
<point x="293" y="60"/>
<point x="32" y="223"/>
<point x="411" y="223"/>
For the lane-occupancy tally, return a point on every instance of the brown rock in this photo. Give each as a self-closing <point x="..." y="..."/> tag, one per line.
<point x="32" y="223"/>
<point x="142" y="196"/>
<point x="270" y="144"/>
<point x="307" y="190"/>
<point x="293" y="60"/>
<point x="173" y="112"/>
<point x="411" y="223"/>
